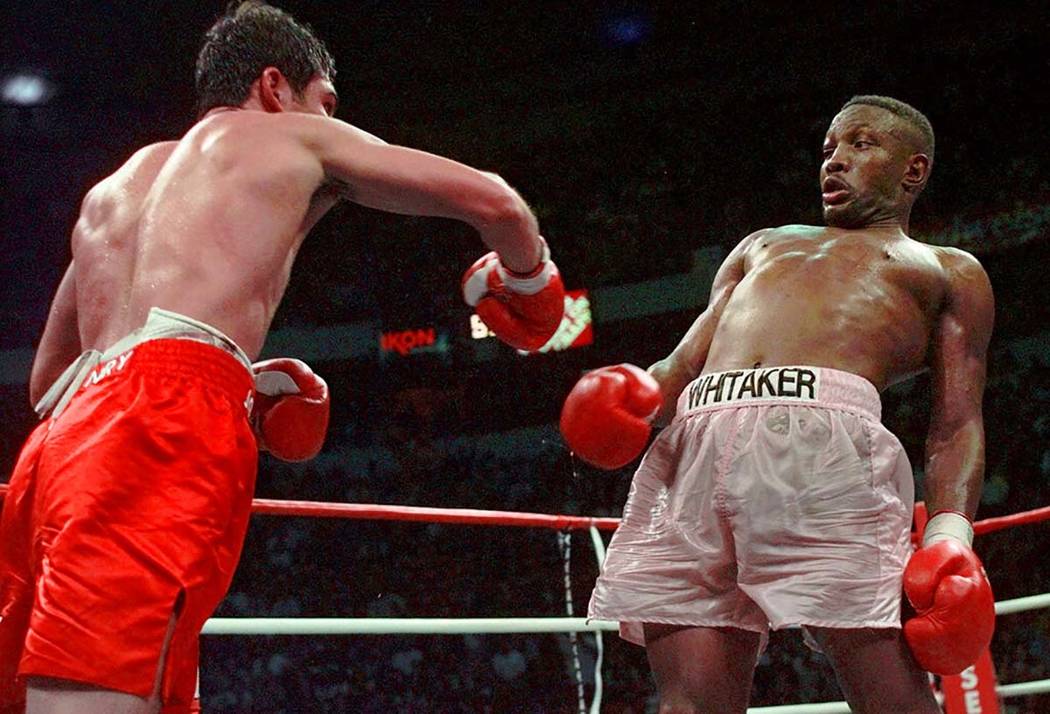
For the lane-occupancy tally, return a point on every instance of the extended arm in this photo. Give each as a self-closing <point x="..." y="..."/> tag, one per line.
<point x="407" y="181"/>
<point x="60" y="343"/>
<point x="684" y="363"/>
<point x="516" y="289"/>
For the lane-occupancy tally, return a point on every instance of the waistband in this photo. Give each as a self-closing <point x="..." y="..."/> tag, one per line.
<point x="198" y="350"/>
<point x="793" y="385"/>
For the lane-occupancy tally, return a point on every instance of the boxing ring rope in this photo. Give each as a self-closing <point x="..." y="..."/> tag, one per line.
<point x="421" y="514"/>
<point x="534" y="625"/>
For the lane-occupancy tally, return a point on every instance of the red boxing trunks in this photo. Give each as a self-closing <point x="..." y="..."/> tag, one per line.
<point x="129" y="506"/>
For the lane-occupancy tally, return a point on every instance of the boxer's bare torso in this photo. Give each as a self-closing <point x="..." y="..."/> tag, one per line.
<point x="863" y="301"/>
<point x="869" y="301"/>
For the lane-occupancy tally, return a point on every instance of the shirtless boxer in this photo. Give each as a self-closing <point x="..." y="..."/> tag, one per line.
<point x="128" y="506"/>
<point x="775" y="497"/>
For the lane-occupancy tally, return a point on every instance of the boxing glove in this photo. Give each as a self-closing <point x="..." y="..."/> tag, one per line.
<point x="955" y="609"/>
<point x="523" y="310"/>
<point x="607" y="416"/>
<point x="290" y="410"/>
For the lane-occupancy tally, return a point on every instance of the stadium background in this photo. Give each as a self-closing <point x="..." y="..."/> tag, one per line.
<point x="649" y="138"/>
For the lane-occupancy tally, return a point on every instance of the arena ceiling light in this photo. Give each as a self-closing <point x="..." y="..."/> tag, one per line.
<point x="26" y="89"/>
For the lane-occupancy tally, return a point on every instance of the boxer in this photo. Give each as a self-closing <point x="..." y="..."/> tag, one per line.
<point x="776" y="497"/>
<point x="129" y="503"/>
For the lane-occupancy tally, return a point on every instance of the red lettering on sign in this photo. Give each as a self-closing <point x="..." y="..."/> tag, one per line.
<point x="405" y="341"/>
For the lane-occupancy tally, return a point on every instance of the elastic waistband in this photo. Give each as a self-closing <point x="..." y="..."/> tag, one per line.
<point x="161" y="326"/>
<point x="814" y="386"/>
<point x="172" y="357"/>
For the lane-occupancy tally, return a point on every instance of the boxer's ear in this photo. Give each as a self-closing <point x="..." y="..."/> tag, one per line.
<point x="916" y="173"/>
<point x="274" y="90"/>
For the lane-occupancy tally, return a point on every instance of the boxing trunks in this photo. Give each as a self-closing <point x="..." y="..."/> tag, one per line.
<point x="774" y="498"/>
<point x="128" y="504"/>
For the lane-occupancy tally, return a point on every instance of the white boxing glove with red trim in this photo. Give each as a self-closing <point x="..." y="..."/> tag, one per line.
<point x="955" y="608"/>
<point x="524" y="310"/>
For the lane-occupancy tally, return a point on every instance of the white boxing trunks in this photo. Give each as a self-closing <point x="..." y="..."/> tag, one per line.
<point x="775" y="498"/>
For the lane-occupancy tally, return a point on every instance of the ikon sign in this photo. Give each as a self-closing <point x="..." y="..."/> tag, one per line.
<point x="404" y="342"/>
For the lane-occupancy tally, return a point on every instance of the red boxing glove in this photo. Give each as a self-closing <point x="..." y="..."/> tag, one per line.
<point x="290" y="413"/>
<point x="523" y="310"/>
<point x="955" y="608"/>
<point x="606" y="417"/>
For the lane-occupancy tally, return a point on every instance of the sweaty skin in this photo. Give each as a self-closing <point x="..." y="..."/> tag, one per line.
<point x="209" y="226"/>
<point x="858" y="295"/>
<point x="860" y="301"/>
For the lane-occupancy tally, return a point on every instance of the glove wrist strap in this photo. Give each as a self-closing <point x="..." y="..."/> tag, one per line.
<point x="948" y="524"/>
<point x="533" y="281"/>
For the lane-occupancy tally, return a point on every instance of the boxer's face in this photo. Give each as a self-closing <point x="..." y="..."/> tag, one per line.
<point x="319" y="97"/>
<point x="865" y="159"/>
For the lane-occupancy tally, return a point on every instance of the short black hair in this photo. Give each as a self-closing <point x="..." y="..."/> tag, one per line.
<point x="916" y="119"/>
<point x="250" y="37"/>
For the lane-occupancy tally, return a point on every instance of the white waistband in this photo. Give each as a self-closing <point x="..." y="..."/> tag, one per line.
<point x="793" y="384"/>
<point x="160" y="324"/>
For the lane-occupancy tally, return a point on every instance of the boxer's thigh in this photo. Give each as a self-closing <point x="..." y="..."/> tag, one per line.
<point x="702" y="669"/>
<point x="876" y="670"/>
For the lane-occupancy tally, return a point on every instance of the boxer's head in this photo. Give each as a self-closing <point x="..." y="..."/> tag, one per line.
<point x="878" y="154"/>
<point x="258" y="48"/>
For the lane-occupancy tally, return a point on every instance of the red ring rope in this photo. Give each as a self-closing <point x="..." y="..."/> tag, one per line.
<point x="1016" y="519"/>
<point x="465" y="516"/>
<point x="469" y="516"/>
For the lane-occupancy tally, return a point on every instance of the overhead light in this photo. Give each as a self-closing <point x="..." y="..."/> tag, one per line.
<point x="25" y="89"/>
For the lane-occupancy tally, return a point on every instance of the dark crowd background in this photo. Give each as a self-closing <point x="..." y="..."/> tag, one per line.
<point x="641" y="133"/>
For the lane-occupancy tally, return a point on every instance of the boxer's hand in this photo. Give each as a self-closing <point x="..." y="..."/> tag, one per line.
<point x="607" y="415"/>
<point x="955" y="608"/>
<point x="290" y="411"/>
<point x="523" y="310"/>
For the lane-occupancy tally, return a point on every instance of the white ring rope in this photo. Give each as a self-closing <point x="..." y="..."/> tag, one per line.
<point x="543" y="625"/>
<point x="1021" y="604"/>
<point x="822" y="708"/>
<point x="461" y="626"/>
<point x="540" y="625"/>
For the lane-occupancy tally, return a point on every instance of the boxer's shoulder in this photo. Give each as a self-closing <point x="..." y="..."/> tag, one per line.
<point x="147" y="159"/>
<point x="132" y="178"/>
<point x="239" y="135"/>
<point x="956" y="259"/>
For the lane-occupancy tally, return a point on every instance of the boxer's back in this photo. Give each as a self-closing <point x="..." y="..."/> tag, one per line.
<point x="206" y="226"/>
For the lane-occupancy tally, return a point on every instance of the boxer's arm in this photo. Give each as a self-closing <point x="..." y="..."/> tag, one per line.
<point x="955" y="442"/>
<point x="684" y="363"/>
<point x="407" y="181"/>
<point x="60" y="343"/>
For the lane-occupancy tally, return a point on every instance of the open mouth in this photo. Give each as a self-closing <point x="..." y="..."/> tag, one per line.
<point x="834" y="192"/>
<point x="834" y="198"/>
